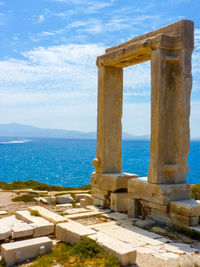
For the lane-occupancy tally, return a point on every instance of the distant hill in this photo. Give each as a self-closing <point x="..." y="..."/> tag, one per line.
<point x="20" y="130"/>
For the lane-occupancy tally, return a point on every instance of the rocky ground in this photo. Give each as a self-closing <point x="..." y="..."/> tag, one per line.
<point x="131" y="240"/>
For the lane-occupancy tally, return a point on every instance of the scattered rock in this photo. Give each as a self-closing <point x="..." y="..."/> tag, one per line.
<point x="144" y="223"/>
<point x="63" y="199"/>
<point x="2" y="212"/>
<point x="5" y="232"/>
<point x="50" y="200"/>
<point x="78" y="197"/>
<point x="159" y="230"/>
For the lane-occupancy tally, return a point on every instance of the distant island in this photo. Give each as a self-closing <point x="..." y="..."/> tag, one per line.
<point x="21" y="130"/>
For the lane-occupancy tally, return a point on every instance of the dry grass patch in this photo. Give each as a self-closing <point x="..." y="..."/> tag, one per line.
<point x="82" y="254"/>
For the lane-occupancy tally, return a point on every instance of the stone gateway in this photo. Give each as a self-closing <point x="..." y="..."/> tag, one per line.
<point x="164" y="192"/>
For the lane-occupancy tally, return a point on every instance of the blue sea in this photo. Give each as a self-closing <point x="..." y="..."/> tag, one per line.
<point x="67" y="162"/>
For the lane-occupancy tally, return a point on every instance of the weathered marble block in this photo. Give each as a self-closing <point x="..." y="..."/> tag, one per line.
<point x="63" y="199"/>
<point x="20" y="251"/>
<point x="125" y="253"/>
<point x="111" y="181"/>
<point x="187" y="207"/>
<point x="40" y="226"/>
<point x="184" y="220"/>
<point x="119" y="202"/>
<point x="71" y="232"/>
<point x="140" y="188"/>
<point x="48" y="215"/>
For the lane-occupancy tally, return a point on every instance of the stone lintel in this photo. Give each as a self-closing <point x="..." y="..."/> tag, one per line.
<point x="188" y="207"/>
<point x="139" y="52"/>
<point x="182" y="28"/>
<point x="173" y="37"/>
<point x="139" y="188"/>
<point x="111" y="181"/>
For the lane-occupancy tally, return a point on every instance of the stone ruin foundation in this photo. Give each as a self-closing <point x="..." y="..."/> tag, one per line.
<point x="164" y="195"/>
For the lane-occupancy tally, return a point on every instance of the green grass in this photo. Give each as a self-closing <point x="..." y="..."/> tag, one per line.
<point x="82" y="254"/>
<point x="35" y="213"/>
<point x="62" y="213"/>
<point x="39" y="186"/>
<point x="24" y="198"/>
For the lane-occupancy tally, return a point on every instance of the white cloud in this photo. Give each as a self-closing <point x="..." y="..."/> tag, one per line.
<point x="41" y="18"/>
<point x="61" y="82"/>
<point x="69" y="68"/>
<point x="2" y="15"/>
<point x="94" y="7"/>
<point x="65" y="68"/>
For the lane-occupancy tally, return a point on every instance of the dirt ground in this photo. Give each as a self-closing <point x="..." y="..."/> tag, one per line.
<point x="6" y="203"/>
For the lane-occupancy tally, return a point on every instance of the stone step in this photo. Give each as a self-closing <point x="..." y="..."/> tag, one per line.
<point x="49" y="215"/>
<point x="83" y="215"/>
<point x="20" y="251"/>
<point x="71" y="232"/>
<point x="12" y="227"/>
<point x="117" y="216"/>
<point x="41" y="227"/>
<point x="5" y="232"/>
<point x="20" y="230"/>
<point x="125" y="253"/>
<point x="130" y="235"/>
<point x="76" y="210"/>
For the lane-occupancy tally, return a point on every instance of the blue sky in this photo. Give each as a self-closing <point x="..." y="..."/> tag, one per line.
<point x="47" y="59"/>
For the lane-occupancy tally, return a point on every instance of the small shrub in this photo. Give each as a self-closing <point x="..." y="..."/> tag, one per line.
<point x="24" y="198"/>
<point x="39" y="186"/>
<point x="69" y="255"/>
<point x="74" y="204"/>
<point x="62" y="213"/>
<point x="87" y="248"/>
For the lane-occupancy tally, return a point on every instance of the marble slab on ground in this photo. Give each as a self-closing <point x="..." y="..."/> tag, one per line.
<point x="21" y="230"/>
<point x="12" y="227"/>
<point x="94" y="208"/>
<point x="17" y="252"/>
<point x="117" y="216"/>
<point x="149" y="247"/>
<point x="48" y="215"/>
<point x="83" y="215"/>
<point x="123" y="252"/>
<point x="3" y="212"/>
<point x="76" y="210"/>
<point x="72" y="232"/>
<point x="5" y="232"/>
<point x="41" y="227"/>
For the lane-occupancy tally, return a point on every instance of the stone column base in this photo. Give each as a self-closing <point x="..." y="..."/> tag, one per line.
<point x="103" y="184"/>
<point x="166" y="203"/>
<point x="161" y="194"/>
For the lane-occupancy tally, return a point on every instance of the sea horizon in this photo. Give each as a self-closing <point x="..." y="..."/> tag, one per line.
<point x="68" y="162"/>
